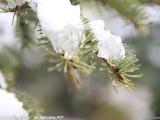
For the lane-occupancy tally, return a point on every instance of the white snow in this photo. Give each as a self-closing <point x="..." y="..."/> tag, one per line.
<point x="62" y="24"/>
<point x="110" y="46"/>
<point x="10" y="106"/>
<point x="3" y="83"/>
<point x="7" y="36"/>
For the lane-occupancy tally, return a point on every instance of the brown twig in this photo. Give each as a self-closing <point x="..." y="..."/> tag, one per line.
<point x="114" y="70"/>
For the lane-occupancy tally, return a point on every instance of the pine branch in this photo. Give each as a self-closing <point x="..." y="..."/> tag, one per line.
<point x="125" y="70"/>
<point x="29" y="104"/>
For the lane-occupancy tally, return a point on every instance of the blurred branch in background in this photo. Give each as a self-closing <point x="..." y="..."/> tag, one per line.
<point x="150" y="1"/>
<point x="133" y="12"/>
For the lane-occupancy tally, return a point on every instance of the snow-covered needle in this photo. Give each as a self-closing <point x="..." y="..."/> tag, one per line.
<point x="110" y="46"/>
<point x="62" y="24"/>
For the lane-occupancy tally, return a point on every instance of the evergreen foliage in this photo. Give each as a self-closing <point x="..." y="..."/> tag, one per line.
<point x="86" y="61"/>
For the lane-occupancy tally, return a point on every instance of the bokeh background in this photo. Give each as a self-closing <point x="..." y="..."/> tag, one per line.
<point x="23" y="62"/>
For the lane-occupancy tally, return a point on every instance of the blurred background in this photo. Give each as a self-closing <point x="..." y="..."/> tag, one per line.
<point x="23" y="62"/>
